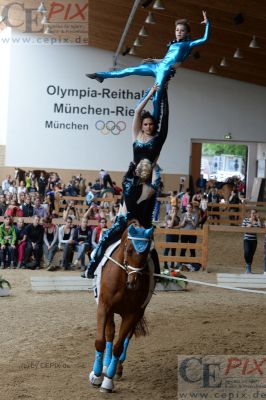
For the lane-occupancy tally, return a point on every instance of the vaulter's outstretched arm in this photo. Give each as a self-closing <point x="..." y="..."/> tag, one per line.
<point x="136" y="126"/>
<point x="206" y="35"/>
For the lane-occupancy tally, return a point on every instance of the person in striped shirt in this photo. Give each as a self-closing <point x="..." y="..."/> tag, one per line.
<point x="250" y="238"/>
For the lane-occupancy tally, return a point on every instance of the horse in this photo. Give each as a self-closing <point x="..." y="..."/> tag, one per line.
<point x="224" y="188"/>
<point x="125" y="289"/>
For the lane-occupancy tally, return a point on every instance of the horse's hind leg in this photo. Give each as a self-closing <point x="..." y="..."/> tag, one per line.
<point x="109" y="335"/>
<point x="119" y="369"/>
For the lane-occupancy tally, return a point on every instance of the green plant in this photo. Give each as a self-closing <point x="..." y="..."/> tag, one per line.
<point x="4" y="283"/>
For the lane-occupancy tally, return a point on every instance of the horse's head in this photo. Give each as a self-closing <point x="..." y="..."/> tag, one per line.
<point x="136" y="248"/>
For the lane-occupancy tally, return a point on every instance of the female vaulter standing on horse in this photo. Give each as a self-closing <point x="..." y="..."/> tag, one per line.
<point x="139" y="192"/>
<point x="178" y="51"/>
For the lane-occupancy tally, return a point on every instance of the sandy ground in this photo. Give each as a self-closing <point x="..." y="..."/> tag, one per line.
<point x="47" y="340"/>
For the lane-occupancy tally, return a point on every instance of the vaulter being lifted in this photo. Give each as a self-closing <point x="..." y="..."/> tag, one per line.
<point x="178" y="51"/>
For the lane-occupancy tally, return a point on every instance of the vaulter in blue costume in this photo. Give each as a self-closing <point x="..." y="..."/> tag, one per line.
<point x="178" y="51"/>
<point x="139" y="189"/>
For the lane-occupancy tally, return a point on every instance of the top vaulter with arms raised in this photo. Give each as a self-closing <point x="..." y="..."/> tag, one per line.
<point x="178" y="51"/>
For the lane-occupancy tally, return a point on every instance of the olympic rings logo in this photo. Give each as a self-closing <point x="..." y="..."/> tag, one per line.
<point x="110" y="127"/>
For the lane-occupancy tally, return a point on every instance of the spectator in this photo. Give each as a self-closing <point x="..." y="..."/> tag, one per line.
<point x="27" y="207"/>
<point x="234" y="199"/>
<point x="171" y="222"/>
<point x="21" y="241"/>
<point x="105" y="179"/>
<point x="3" y="205"/>
<point x="34" y="244"/>
<point x="71" y="211"/>
<point x="114" y="212"/>
<point x="96" y="187"/>
<point x="89" y="195"/>
<point x="13" y="210"/>
<point x="27" y="181"/>
<point x="189" y="221"/>
<point x="118" y="190"/>
<point x="82" y="242"/>
<point x="6" y="184"/>
<point x="42" y="183"/>
<point x="50" y="242"/>
<point x="250" y="238"/>
<point x="214" y="197"/>
<point x="201" y="184"/>
<point x="38" y="209"/>
<point x="21" y="199"/>
<point x="98" y="231"/>
<point x="12" y="188"/>
<point x="7" y="243"/>
<point x="203" y="210"/>
<point x="185" y="200"/>
<point x="66" y="243"/>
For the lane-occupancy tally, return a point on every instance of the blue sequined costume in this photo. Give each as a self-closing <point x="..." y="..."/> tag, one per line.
<point x="178" y="52"/>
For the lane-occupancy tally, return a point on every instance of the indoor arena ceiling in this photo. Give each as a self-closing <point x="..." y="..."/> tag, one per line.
<point x="234" y="23"/>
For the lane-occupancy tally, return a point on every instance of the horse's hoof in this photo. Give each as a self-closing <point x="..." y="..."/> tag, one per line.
<point x="95" y="380"/>
<point x="118" y="376"/>
<point x="107" y="385"/>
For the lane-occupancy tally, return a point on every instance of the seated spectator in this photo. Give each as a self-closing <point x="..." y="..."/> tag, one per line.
<point x="27" y="207"/>
<point x="172" y="221"/>
<point x="71" y="211"/>
<point x="21" y="199"/>
<point x="13" y="210"/>
<point x="89" y="195"/>
<point x="118" y="190"/>
<point x="3" y="205"/>
<point x="114" y="212"/>
<point x="21" y="241"/>
<point x="27" y="181"/>
<point x="98" y="231"/>
<point x="5" y="184"/>
<point x="97" y="186"/>
<point x="82" y="242"/>
<point x="12" y="188"/>
<point x="34" y="244"/>
<point x="21" y="191"/>
<point x="8" y="243"/>
<point x="50" y="242"/>
<point x="38" y="209"/>
<point x="66" y="243"/>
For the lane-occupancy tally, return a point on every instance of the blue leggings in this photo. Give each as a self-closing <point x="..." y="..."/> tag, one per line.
<point x="161" y="75"/>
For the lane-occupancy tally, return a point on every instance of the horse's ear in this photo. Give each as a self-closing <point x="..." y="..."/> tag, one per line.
<point x="132" y="230"/>
<point x="148" y="232"/>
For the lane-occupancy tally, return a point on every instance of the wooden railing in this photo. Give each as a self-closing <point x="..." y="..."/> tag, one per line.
<point x="201" y="246"/>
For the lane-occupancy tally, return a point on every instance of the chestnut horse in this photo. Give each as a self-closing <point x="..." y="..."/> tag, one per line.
<point x="125" y="289"/>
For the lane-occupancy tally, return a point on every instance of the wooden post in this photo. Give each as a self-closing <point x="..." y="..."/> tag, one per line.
<point x="205" y="243"/>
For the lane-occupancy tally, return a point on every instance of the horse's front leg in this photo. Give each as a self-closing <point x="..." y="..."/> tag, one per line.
<point x="96" y="374"/>
<point x="127" y="326"/>
<point x="109" y="336"/>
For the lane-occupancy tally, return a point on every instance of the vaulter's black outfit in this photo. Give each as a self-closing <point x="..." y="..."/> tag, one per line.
<point x="132" y="190"/>
<point x="153" y="147"/>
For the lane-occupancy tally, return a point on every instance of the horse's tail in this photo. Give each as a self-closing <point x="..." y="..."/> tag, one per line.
<point x="141" y="328"/>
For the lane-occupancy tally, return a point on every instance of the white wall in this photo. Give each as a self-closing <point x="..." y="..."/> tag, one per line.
<point x="202" y="106"/>
<point x="4" y="83"/>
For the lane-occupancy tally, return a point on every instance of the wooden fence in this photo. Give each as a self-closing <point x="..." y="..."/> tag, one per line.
<point x="232" y="214"/>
